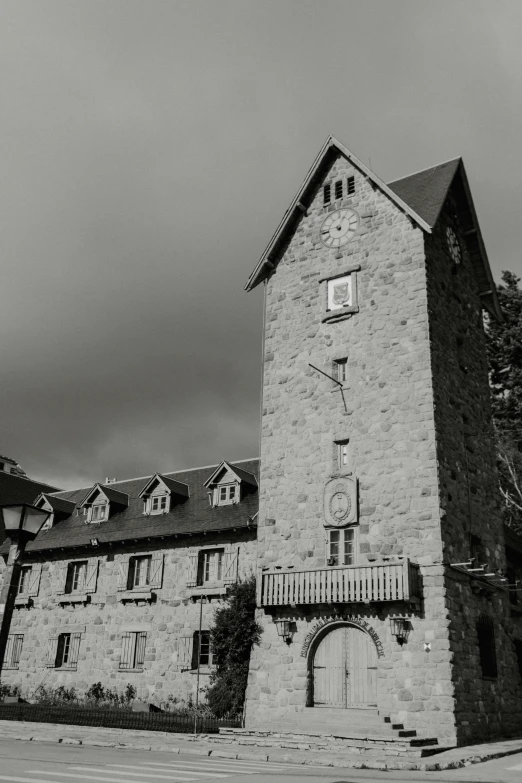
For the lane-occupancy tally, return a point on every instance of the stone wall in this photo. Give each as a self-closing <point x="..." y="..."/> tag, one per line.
<point x="389" y="422"/>
<point x="170" y="617"/>
<point x="470" y="517"/>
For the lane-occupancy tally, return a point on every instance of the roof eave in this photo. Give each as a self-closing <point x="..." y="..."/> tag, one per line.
<point x="299" y="205"/>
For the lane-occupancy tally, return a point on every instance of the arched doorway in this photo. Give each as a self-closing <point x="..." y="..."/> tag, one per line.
<point x="344" y="669"/>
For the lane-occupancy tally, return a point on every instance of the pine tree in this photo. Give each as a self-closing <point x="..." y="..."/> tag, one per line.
<point x="233" y="635"/>
<point x="504" y="343"/>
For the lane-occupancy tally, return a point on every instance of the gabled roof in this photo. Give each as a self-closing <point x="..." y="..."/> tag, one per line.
<point x="112" y="495"/>
<point x="194" y="516"/>
<point x="331" y="148"/>
<point x="242" y="475"/>
<point x="58" y="505"/>
<point x="421" y="196"/>
<point x="426" y="190"/>
<point x="173" y="486"/>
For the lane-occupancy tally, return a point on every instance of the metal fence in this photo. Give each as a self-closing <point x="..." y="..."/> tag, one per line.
<point x="116" y="719"/>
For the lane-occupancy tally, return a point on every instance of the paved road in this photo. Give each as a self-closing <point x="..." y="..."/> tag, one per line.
<point x="35" y="762"/>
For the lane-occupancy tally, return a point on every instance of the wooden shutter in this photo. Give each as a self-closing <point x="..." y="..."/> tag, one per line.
<point x="192" y="579"/>
<point x="124" y="573"/>
<point x="8" y="655"/>
<point x="141" y="640"/>
<point x="74" y="650"/>
<point x="18" y="640"/>
<point x="34" y="579"/>
<point x="61" y="578"/>
<point x="52" y="645"/>
<point x="230" y="562"/>
<point x="185" y="651"/>
<point x="91" y="575"/>
<point x="127" y="650"/>
<point x="156" y="570"/>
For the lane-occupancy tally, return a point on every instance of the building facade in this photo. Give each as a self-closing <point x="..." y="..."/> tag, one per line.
<point x="123" y="577"/>
<point x="382" y="587"/>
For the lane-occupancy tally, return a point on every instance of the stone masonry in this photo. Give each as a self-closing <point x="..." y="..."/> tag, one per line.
<point x="417" y="407"/>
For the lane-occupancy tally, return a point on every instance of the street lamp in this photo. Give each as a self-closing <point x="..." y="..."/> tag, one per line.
<point x="22" y="522"/>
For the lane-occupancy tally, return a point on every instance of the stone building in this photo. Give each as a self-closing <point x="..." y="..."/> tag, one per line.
<point x="382" y="588"/>
<point x="112" y="588"/>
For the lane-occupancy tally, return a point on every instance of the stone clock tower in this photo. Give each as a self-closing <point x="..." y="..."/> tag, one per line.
<point x="381" y="554"/>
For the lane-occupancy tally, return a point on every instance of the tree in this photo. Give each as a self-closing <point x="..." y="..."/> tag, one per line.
<point x="504" y="344"/>
<point x="233" y="635"/>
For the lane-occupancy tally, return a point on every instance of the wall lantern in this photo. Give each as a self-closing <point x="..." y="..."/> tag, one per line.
<point x="400" y="628"/>
<point x="284" y="629"/>
<point x="94" y="542"/>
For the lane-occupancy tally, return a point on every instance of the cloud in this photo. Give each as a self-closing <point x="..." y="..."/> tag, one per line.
<point x="150" y="151"/>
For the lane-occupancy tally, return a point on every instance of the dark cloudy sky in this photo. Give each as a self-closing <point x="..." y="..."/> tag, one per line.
<point x="149" y="149"/>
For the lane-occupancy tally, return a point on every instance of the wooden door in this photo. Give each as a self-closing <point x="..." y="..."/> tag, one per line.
<point x="345" y="669"/>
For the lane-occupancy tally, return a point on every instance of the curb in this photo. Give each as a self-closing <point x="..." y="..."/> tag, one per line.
<point x="339" y="761"/>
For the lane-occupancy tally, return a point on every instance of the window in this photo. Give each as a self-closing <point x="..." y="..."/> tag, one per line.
<point x="343" y="455"/>
<point x="203" y="650"/>
<point x="13" y="650"/>
<point x="75" y="580"/>
<point x="327" y="194"/>
<point x="339" y="189"/>
<point x="341" y="370"/>
<point x="350" y="186"/>
<point x="139" y="572"/>
<point x="210" y="566"/>
<point x="226" y="494"/>
<point x="25" y="578"/>
<point x="158" y="504"/>
<point x="486" y="641"/>
<point x="98" y="512"/>
<point x="340" y="547"/>
<point x="133" y="650"/>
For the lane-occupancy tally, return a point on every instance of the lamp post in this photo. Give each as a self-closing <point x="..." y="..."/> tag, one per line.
<point x="22" y="521"/>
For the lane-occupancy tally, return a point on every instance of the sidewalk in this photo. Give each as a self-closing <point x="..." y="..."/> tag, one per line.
<point x="186" y="743"/>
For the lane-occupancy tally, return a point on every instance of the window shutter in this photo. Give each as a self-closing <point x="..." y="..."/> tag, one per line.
<point x="61" y="578"/>
<point x="74" y="650"/>
<point x="141" y="640"/>
<point x="156" y="570"/>
<point x="52" y="645"/>
<point x="126" y="650"/>
<point x="91" y="576"/>
<point x="185" y="651"/>
<point x="17" y="649"/>
<point x="124" y="573"/>
<point x="34" y="580"/>
<point x="230" y="562"/>
<point x="192" y="579"/>
<point x="195" y="650"/>
<point x="8" y="655"/>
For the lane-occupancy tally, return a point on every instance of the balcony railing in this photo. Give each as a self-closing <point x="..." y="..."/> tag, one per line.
<point x="344" y="584"/>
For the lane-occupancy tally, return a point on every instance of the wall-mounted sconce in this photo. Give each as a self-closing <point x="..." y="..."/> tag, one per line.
<point x="94" y="542"/>
<point x="427" y="646"/>
<point x="284" y="629"/>
<point x="400" y="628"/>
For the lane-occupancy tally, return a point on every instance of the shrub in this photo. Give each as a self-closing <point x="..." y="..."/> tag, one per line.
<point x="233" y="635"/>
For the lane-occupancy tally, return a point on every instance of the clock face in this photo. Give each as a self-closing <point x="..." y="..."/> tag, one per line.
<point x="339" y="227"/>
<point x="453" y="245"/>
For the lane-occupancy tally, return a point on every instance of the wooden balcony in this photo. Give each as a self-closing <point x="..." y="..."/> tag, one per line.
<point x="343" y="584"/>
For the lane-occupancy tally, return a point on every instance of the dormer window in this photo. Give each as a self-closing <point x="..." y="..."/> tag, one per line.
<point x="58" y="509"/>
<point x="229" y="484"/>
<point x="158" y="504"/>
<point x="102" y="502"/>
<point x="98" y="512"/>
<point x="229" y="493"/>
<point x="161" y="493"/>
